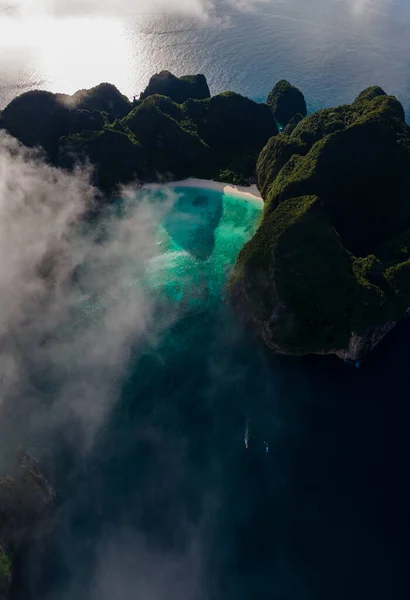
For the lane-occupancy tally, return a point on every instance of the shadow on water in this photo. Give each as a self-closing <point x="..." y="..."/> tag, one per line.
<point x="323" y="515"/>
<point x="192" y="221"/>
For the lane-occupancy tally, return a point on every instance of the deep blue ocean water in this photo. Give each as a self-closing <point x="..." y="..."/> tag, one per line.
<point x="170" y="504"/>
<point x="331" y="49"/>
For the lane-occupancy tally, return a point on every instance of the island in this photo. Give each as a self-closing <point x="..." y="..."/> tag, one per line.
<point x="175" y="130"/>
<point x="327" y="270"/>
<point x="26" y="500"/>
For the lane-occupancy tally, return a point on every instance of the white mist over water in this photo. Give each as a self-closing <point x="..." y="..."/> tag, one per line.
<point x="331" y="49"/>
<point x="80" y="301"/>
<point x="54" y="374"/>
<point x="77" y="301"/>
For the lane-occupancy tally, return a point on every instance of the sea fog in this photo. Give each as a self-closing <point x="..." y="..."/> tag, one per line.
<point x="139" y="418"/>
<point x="137" y="414"/>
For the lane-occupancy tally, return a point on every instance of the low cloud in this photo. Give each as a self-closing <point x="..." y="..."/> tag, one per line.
<point x="126" y="568"/>
<point x="203" y="9"/>
<point x="72" y="305"/>
<point x="79" y="302"/>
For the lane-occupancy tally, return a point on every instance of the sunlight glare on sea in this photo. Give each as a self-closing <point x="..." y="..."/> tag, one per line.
<point x="331" y="49"/>
<point x="67" y="54"/>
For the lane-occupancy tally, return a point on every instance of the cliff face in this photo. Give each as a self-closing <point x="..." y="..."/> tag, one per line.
<point x="103" y="98"/>
<point x="179" y="89"/>
<point x="285" y="102"/>
<point x="25" y="500"/>
<point x="175" y="131"/>
<point x="327" y="271"/>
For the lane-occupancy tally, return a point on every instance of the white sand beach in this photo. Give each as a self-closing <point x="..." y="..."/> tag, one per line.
<point x="247" y="193"/>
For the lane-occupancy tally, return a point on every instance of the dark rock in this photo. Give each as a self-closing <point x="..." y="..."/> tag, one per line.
<point x="115" y="156"/>
<point x="86" y="120"/>
<point x="104" y="97"/>
<point x="179" y="89"/>
<point x="328" y="270"/>
<point x="172" y="147"/>
<point x="286" y="101"/>
<point x="26" y="500"/>
<point x="235" y="128"/>
<point x="5" y="574"/>
<point x="157" y="139"/>
<point x="295" y="120"/>
<point x="38" y="118"/>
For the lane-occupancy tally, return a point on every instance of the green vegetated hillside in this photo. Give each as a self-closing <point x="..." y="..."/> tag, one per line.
<point x="26" y="500"/>
<point x="175" y="130"/>
<point x="328" y="269"/>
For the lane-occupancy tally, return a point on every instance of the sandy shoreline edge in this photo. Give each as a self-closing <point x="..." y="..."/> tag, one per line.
<point x="246" y="193"/>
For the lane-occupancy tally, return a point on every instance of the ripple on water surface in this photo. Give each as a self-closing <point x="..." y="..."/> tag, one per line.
<point x="170" y="503"/>
<point x="201" y="236"/>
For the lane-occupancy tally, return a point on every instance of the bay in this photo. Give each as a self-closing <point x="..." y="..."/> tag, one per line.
<point x="169" y="503"/>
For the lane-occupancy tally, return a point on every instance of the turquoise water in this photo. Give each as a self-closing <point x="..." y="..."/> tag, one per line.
<point x="168" y="503"/>
<point x="201" y="237"/>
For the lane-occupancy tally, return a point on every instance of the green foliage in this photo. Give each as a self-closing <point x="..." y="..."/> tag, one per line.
<point x="322" y="123"/>
<point x="363" y="99"/>
<point x="395" y="249"/>
<point x="104" y="97"/>
<point x="295" y="120"/>
<point x="5" y="573"/>
<point x="231" y="120"/>
<point x="275" y="155"/>
<point x="353" y="171"/>
<point x="368" y="269"/>
<point x="154" y="138"/>
<point x="179" y="89"/>
<point x="38" y="118"/>
<point x="169" y="146"/>
<point x="331" y="255"/>
<point x="235" y="128"/>
<point x="398" y="277"/>
<point x="115" y="156"/>
<point x="227" y="176"/>
<point x="286" y="101"/>
<point x="25" y="499"/>
<point x="217" y="137"/>
<point x="86" y="120"/>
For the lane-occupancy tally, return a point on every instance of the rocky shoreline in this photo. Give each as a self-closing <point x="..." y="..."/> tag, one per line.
<point x="327" y="271"/>
<point x="26" y="501"/>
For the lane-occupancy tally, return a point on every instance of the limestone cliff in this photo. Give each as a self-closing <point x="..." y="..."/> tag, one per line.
<point x="327" y="271"/>
<point x="26" y="499"/>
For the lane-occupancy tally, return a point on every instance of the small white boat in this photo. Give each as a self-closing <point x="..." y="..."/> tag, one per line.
<point x="246" y="439"/>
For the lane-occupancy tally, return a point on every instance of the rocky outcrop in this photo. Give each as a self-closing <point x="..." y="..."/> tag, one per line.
<point x="285" y="102"/>
<point x="328" y="269"/>
<point x="179" y="89"/>
<point x="37" y="118"/>
<point x="104" y="98"/>
<point x="26" y="499"/>
<point x="116" y="156"/>
<point x="295" y="120"/>
<point x="5" y="574"/>
<point x="170" y="142"/>
<point x="175" y="131"/>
